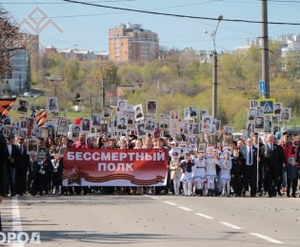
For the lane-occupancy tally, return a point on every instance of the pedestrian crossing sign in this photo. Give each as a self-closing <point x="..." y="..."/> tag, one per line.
<point x="267" y="105"/>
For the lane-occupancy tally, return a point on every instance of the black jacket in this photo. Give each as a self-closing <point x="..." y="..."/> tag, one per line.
<point x="3" y="157"/>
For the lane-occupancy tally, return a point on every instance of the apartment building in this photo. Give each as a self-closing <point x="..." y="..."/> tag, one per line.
<point x="132" y="43"/>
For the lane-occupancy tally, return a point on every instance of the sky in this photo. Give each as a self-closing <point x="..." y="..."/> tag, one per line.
<point x="73" y="25"/>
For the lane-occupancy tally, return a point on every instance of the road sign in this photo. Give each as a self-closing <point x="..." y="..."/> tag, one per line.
<point x="262" y="87"/>
<point x="267" y="106"/>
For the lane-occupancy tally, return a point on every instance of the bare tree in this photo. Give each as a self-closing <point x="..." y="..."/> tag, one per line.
<point x="9" y="40"/>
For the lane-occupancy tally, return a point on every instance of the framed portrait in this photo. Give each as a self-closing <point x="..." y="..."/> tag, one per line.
<point x="174" y="126"/>
<point x="196" y="128"/>
<point x="42" y="153"/>
<point x="121" y="105"/>
<point x="103" y="128"/>
<point x="76" y="129"/>
<point x="211" y="140"/>
<point x="63" y="127"/>
<point x="23" y="106"/>
<point x="219" y="136"/>
<point x="277" y="108"/>
<point x="186" y="113"/>
<point x="44" y="132"/>
<point x="174" y="114"/>
<point x="285" y="114"/>
<point x="140" y="129"/>
<point x="218" y="124"/>
<point x="228" y="140"/>
<point x="23" y="124"/>
<point x="130" y="118"/>
<point x="106" y="113"/>
<point x="268" y="124"/>
<point x="259" y="123"/>
<point x="138" y="112"/>
<point x="201" y="137"/>
<point x="202" y="147"/>
<point x="228" y="130"/>
<point x="202" y="113"/>
<point x="164" y="121"/>
<point x="259" y="112"/>
<point x="206" y="124"/>
<point x="32" y="146"/>
<point x="193" y="112"/>
<point x="192" y="139"/>
<point x="150" y="125"/>
<point x="96" y="119"/>
<point x="151" y="107"/>
<point x="252" y="113"/>
<point x="187" y="128"/>
<point x="52" y="104"/>
<point x="121" y="123"/>
<point x="86" y="125"/>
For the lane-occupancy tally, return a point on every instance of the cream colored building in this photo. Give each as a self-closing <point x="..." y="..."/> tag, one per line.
<point x="132" y="43"/>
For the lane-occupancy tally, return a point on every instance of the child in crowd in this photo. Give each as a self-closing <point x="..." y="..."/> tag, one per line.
<point x="186" y="178"/>
<point x="236" y="172"/>
<point x="225" y="173"/>
<point x="199" y="174"/>
<point x="211" y="172"/>
<point x="292" y="176"/>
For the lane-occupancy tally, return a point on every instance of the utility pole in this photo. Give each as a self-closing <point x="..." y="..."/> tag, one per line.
<point x="103" y="93"/>
<point x="265" y="48"/>
<point x="215" y="71"/>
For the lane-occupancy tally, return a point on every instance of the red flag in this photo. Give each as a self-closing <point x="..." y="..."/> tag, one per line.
<point x="6" y="105"/>
<point x="41" y="118"/>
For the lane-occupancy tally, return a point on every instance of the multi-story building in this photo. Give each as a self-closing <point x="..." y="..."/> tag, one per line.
<point x="18" y="77"/>
<point x="132" y="43"/>
<point x="23" y="58"/>
<point x="290" y="48"/>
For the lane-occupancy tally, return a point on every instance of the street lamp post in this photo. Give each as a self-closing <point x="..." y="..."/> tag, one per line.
<point x="215" y="70"/>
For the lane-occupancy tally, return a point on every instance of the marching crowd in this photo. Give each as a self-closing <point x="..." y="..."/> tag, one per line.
<point x="257" y="166"/>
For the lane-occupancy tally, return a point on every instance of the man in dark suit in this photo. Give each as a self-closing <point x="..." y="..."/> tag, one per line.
<point x="274" y="159"/>
<point x="23" y="164"/>
<point x="11" y="164"/>
<point x="250" y="168"/>
<point x="3" y="157"/>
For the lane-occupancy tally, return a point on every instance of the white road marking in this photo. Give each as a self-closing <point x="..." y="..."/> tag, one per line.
<point x="170" y="203"/>
<point x="205" y="216"/>
<point x="272" y="240"/>
<point x="16" y="221"/>
<point x="186" y="209"/>
<point x="230" y="225"/>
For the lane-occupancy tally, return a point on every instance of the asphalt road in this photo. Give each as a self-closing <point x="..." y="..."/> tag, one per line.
<point x="146" y="220"/>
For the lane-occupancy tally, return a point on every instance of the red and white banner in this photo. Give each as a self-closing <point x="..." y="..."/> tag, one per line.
<point x="115" y="167"/>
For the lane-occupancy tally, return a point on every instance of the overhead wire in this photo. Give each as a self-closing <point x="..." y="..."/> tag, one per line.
<point x="179" y="15"/>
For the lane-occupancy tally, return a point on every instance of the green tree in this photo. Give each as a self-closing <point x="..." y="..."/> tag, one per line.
<point x="71" y="74"/>
<point x="292" y="65"/>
